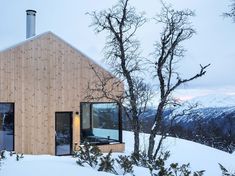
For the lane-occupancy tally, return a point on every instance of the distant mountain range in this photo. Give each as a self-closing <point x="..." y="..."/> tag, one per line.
<point x="210" y="107"/>
<point x="212" y="122"/>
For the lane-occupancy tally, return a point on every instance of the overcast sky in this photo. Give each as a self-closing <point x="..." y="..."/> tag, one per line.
<point x="214" y="42"/>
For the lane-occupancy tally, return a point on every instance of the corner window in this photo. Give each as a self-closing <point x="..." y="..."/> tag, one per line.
<point x="100" y="123"/>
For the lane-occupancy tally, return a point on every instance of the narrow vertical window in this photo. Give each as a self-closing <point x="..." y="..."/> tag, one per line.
<point x="7" y="126"/>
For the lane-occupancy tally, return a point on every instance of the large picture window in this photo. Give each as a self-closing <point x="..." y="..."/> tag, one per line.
<point x="7" y="126"/>
<point x="101" y="123"/>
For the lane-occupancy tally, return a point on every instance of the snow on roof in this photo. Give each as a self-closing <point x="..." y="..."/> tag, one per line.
<point x="25" y="41"/>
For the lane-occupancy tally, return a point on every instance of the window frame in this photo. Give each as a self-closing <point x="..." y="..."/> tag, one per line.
<point x="13" y="104"/>
<point x="90" y="116"/>
<point x="71" y="132"/>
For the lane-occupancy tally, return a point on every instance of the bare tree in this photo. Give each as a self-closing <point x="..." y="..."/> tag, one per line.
<point x="168" y="51"/>
<point x="231" y="12"/>
<point x="176" y="112"/>
<point x="121" y="23"/>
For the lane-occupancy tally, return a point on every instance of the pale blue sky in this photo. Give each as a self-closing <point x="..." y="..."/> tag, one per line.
<point x="214" y="42"/>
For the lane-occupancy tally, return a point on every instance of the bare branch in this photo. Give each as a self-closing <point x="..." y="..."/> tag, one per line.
<point x="104" y="88"/>
<point x="121" y="23"/>
<point x="180" y="81"/>
<point x="177" y="28"/>
<point x="231" y="12"/>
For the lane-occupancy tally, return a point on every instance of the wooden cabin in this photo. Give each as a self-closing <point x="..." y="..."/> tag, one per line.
<point x="43" y="107"/>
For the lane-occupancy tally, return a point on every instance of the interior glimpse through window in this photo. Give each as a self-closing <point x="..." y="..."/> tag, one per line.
<point x="105" y="120"/>
<point x="100" y="123"/>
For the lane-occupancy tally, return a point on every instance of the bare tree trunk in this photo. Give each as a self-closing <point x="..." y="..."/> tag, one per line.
<point x="176" y="29"/>
<point x="136" y="143"/>
<point x="152" y="140"/>
<point x="156" y="126"/>
<point x="121" y="23"/>
<point x="159" y="145"/>
<point x="151" y="145"/>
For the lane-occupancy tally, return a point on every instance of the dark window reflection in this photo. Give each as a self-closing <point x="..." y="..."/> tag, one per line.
<point x="105" y="120"/>
<point x="6" y="126"/>
<point x="63" y="133"/>
<point x="100" y="123"/>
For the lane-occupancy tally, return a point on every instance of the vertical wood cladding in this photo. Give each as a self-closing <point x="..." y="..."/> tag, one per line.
<point x="43" y="75"/>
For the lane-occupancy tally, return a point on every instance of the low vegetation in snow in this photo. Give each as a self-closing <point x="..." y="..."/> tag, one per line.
<point x="183" y="152"/>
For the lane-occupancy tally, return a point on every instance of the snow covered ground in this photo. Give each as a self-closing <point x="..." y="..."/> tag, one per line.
<point x="201" y="157"/>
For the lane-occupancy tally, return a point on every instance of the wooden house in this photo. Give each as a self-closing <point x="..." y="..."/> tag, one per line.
<point x="43" y="107"/>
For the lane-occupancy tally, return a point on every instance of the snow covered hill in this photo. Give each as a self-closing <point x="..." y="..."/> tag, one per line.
<point x="182" y="151"/>
<point x="213" y="111"/>
<point x="199" y="156"/>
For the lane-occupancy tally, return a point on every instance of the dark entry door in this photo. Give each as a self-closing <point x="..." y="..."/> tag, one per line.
<point x="63" y="137"/>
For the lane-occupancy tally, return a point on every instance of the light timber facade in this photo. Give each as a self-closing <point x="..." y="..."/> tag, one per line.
<point x="43" y="82"/>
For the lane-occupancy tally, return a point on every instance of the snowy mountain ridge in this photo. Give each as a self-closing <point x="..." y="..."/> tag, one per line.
<point x="214" y="100"/>
<point x="208" y="107"/>
<point x="211" y="122"/>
